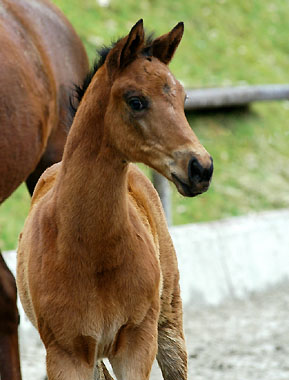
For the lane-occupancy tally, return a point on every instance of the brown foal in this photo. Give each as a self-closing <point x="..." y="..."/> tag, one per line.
<point x="97" y="271"/>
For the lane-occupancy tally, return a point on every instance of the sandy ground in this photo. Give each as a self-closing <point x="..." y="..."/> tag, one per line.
<point x="246" y="340"/>
<point x="238" y="340"/>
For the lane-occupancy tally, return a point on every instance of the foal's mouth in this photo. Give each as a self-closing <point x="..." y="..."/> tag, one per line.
<point x="190" y="190"/>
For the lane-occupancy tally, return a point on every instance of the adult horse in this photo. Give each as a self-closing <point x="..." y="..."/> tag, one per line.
<point x="40" y="58"/>
<point x="97" y="272"/>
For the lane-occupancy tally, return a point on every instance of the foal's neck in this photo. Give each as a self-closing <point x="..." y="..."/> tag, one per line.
<point x="92" y="185"/>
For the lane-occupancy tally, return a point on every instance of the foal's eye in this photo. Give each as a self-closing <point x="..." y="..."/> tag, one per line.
<point x="136" y="104"/>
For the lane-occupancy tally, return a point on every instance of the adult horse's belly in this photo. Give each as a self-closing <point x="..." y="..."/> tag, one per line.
<point x="40" y="59"/>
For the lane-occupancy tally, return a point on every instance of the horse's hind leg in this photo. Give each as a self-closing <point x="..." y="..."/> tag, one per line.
<point x="9" y="352"/>
<point x="172" y="355"/>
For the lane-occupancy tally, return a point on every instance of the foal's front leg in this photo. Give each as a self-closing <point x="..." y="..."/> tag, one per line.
<point x="136" y="349"/>
<point x="63" y="366"/>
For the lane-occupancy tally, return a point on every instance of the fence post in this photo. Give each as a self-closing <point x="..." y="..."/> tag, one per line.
<point x="163" y="188"/>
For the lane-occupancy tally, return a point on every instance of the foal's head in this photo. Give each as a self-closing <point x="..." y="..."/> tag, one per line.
<point x="145" y="117"/>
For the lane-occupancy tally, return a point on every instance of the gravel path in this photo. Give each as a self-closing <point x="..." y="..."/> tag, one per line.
<point x="246" y="340"/>
<point x="240" y="340"/>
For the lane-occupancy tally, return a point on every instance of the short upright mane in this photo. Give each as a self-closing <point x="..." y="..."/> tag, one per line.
<point x="102" y="52"/>
<point x="79" y="90"/>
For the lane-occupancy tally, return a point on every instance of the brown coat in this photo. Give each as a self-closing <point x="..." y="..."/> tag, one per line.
<point x="41" y="58"/>
<point x="97" y="271"/>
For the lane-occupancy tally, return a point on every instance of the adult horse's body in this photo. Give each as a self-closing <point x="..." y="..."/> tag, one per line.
<point x="97" y="272"/>
<point x="40" y="58"/>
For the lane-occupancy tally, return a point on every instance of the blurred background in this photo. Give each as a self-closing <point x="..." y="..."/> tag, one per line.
<point x="226" y="43"/>
<point x="245" y="259"/>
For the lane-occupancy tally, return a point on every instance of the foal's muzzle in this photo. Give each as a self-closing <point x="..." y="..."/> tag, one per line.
<point x="198" y="181"/>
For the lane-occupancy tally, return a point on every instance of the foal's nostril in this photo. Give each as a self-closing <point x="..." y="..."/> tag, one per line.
<point x="197" y="173"/>
<point x="207" y="174"/>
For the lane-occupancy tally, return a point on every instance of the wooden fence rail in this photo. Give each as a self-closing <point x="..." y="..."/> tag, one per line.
<point x="208" y="98"/>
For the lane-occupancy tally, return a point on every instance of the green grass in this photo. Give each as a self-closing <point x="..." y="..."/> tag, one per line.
<point x="12" y="215"/>
<point x="250" y="151"/>
<point x="226" y="42"/>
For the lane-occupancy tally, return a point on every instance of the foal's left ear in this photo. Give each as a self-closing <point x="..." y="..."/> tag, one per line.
<point x="126" y="49"/>
<point x="165" y="46"/>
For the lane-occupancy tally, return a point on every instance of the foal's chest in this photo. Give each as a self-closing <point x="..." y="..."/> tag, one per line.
<point x="118" y="298"/>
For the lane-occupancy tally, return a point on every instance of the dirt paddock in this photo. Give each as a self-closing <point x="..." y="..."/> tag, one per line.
<point x="245" y="340"/>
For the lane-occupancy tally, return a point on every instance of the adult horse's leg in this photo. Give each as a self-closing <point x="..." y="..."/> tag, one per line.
<point x="172" y="355"/>
<point x="9" y="318"/>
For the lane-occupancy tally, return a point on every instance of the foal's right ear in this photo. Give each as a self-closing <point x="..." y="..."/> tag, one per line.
<point x="126" y="50"/>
